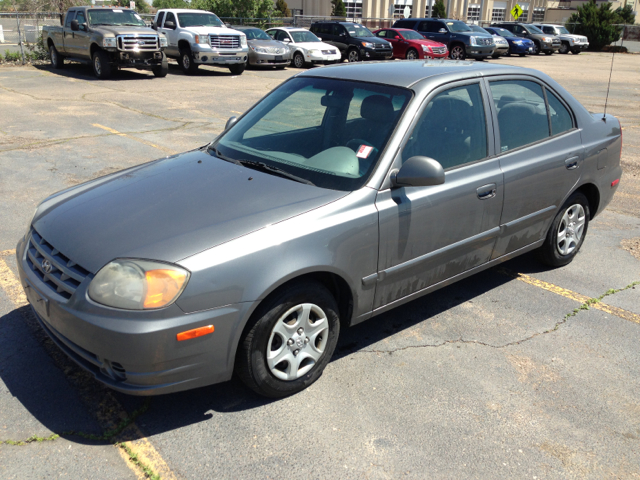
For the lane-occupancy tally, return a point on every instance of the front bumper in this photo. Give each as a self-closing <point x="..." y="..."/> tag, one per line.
<point x="204" y="54"/>
<point x="267" y="59"/>
<point x="323" y="58"/>
<point x="374" y="54"/>
<point x="579" y="46"/>
<point x="479" y="51"/>
<point x="522" y="48"/>
<point x="134" y="352"/>
<point x="140" y="60"/>
<point x="501" y="49"/>
<point x="550" y="46"/>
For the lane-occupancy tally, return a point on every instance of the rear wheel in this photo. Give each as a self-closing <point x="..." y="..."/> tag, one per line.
<point x="536" y="48"/>
<point x="353" y="55"/>
<point x="567" y="232"/>
<point x="564" y="48"/>
<point x="457" y="53"/>
<point x="291" y="341"/>
<point x="412" y="54"/>
<point x="57" y="60"/>
<point x="238" y="68"/>
<point x="298" y="60"/>
<point x="522" y="54"/>
<point x="187" y="64"/>
<point x="495" y="55"/>
<point x="101" y="64"/>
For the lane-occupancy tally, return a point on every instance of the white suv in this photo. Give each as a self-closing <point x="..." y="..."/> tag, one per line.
<point x="570" y="42"/>
<point x="305" y="46"/>
<point x="199" y="37"/>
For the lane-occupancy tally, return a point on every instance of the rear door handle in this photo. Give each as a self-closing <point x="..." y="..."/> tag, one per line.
<point x="572" y="163"/>
<point x="487" y="191"/>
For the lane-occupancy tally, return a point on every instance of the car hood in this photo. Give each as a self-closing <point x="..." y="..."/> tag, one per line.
<point x="170" y="209"/>
<point x="314" y="46"/>
<point x="373" y="40"/>
<point x="116" y="30"/>
<point x="430" y="43"/>
<point x="267" y="44"/>
<point x="213" y="30"/>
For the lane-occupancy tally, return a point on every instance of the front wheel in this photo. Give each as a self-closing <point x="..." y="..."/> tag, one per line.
<point x="564" y="48"/>
<point x="567" y="232"/>
<point x="57" y="61"/>
<point x="353" y="56"/>
<point x="536" y="48"/>
<point x="549" y="52"/>
<point x="187" y="64"/>
<point x="291" y="341"/>
<point x="412" y="54"/>
<point x="575" y="51"/>
<point x="457" y="53"/>
<point x="237" y="69"/>
<point x="495" y="55"/>
<point x="298" y="60"/>
<point x="522" y="54"/>
<point x="161" y="71"/>
<point x="101" y="64"/>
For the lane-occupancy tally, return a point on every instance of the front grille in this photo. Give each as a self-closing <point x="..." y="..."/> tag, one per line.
<point x="379" y="46"/>
<point x="224" y="41"/>
<point x="329" y="52"/>
<point x="138" y="43"/>
<point x="439" y="50"/>
<point x="64" y="275"/>
<point x="275" y="50"/>
<point x="484" y="41"/>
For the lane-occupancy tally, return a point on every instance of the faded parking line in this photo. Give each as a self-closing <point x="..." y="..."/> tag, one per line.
<point x="138" y="444"/>
<point x="115" y="132"/>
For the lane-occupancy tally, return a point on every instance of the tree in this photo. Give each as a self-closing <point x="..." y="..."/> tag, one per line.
<point x="282" y="9"/>
<point x="141" y="5"/>
<point x="596" y="23"/>
<point x="626" y="14"/>
<point x="236" y="8"/>
<point x="338" y="10"/>
<point x="439" y="10"/>
<point x="158" y="4"/>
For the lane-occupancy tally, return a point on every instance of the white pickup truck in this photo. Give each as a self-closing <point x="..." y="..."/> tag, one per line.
<point x="198" y="37"/>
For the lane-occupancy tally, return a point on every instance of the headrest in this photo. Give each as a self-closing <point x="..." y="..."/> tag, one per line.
<point x="377" y="108"/>
<point x="504" y="99"/>
<point x="524" y="111"/>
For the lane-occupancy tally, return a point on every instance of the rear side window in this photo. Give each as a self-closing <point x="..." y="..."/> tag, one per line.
<point x="404" y="24"/>
<point x="559" y="115"/>
<point x="452" y="129"/>
<point x="336" y="30"/>
<point x="522" y="113"/>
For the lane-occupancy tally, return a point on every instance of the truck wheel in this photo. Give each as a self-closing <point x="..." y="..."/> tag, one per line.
<point x="186" y="62"/>
<point x="457" y="52"/>
<point x="57" y="60"/>
<point x="564" y="48"/>
<point x="549" y="52"/>
<point x="161" y="70"/>
<point x="575" y="51"/>
<point x="101" y="65"/>
<point x="238" y="68"/>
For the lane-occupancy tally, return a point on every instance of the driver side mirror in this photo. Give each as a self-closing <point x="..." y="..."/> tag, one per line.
<point x="231" y="122"/>
<point x="418" y="172"/>
<point x="397" y="37"/>
<point x="74" y="25"/>
<point x="83" y="27"/>
<point x="153" y="25"/>
<point x="171" y="25"/>
<point x="442" y="30"/>
<point x="286" y="40"/>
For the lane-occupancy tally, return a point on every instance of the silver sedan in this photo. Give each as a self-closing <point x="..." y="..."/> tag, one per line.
<point x="264" y="51"/>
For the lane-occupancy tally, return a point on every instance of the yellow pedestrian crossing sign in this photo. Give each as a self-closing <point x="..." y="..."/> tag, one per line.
<point x="516" y="11"/>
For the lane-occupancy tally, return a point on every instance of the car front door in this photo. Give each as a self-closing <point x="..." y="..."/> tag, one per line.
<point x="340" y="37"/>
<point x="79" y="42"/>
<point x="431" y="234"/>
<point x="171" y="34"/>
<point x="540" y="152"/>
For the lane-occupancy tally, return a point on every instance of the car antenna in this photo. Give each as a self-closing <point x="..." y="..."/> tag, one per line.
<point x="604" y="115"/>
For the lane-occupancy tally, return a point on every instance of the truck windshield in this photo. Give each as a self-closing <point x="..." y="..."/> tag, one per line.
<point x="457" y="26"/>
<point x="115" y="16"/>
<point x="199" y="20"/>
<point x="327" y="132"/>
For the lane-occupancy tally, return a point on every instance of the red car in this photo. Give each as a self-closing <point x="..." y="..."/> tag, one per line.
<point x="411" y="45"/>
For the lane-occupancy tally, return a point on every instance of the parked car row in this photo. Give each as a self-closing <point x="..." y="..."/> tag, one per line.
<point x="114" y="38"/>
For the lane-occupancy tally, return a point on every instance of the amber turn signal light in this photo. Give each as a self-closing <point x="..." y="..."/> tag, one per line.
<point x="196" y="332"/>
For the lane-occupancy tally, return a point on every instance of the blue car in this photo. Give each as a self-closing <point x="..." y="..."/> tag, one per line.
<point x="517" y="45"/>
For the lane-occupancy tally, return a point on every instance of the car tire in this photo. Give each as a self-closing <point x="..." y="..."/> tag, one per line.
<point x="412" y="54"/>
<point x="575" y="51"/>
<point x="101" y="64"/>
<point x="457" y="52"/>
<point x="536" y="48"/>
<point x="522" y="54"/>
<point x="298" y="60"/>
<point x="567" y="232"/>
<point x="353" y="55"/>
<point x="238" y="68"/>
<point x="187" y="64"/>
<point x="160" y="71"/>
<point x="548" y="52"/>
<point x="564" y="48"/>
<point x="496" y="55"/>
<point x="280" y="67"/>
<point x="287" y="313"/>
<point x="57" y="60"/>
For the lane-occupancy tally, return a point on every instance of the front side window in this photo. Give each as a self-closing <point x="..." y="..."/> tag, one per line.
<point x="160" y="18"/>
<point x="522" y="113"/>
<point x="452" y="128"/>
<point x="70" y="17"/>
<point x="80" y="18"/>
<point x="170" y="18"/>
<point x="327" y="132"/>
<point x="412" y="35"/>
<point x="199" y="20"/>
<point x="306" y="36"/>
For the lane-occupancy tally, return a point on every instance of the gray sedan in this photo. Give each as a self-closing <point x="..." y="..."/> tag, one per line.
<point x="264" y="51"/>
<point x="345" y="192"/>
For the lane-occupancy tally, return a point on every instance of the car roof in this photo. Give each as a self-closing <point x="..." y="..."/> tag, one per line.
<point x="406" y="74"/>
<point x="289" y="29"/>
<point x="416" y="19"/>
<point x="183" y="10"/>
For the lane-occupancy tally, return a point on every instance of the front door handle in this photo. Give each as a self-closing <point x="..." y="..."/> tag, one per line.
<point x="487" y="191"/>
<point x="572" y="163"/>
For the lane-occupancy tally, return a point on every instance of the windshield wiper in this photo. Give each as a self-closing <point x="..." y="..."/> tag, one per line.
<point x="132" y="25"/>
<point x="274" y="170"/>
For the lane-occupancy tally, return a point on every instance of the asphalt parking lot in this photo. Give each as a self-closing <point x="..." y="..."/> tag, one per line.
<point x="513" y="373"/>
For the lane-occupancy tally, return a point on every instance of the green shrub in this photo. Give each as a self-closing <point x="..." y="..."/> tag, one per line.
<point x="37" y="51"/>
<point x="596" y="23"/>
<point x="439" y="10"/>
<point x="12" y="56"/>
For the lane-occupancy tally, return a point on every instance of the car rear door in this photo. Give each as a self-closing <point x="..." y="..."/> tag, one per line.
<point x="66" y="45"/>
<point x="540" y="152"/>
<point x="431" y="234"/>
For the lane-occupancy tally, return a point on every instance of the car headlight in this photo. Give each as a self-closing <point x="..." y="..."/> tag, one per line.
<point x="258" y="49"/>
<point x="243" y="40"/>
<point x="367" y="45"/>
<point x="547" y="39"/>
<point x="163" y="41"/>
<point x="518" y="42"/>
<point x="109" y="42"/>
<point x="425" y="49"/>
<point x="314" y="52"/>
<point x="202" y="39"/>
<point x="473" y="41"/>
<point x="138" y="284"/>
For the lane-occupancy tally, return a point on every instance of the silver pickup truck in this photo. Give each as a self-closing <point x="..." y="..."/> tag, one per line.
<point x="107" y="38"/>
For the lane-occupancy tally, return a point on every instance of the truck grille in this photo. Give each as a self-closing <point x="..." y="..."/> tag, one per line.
<point x="55" y="270"/>
<point x="224" y="41"/>
<point x="138" y="43"/>
<point x="484" y="41"/>
<point x="439" y="50"/>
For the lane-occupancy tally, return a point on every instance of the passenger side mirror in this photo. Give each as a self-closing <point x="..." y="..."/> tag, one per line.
<point x="153" y="25"/>
<point x="319" y="39"/>
<point x="231" y="122"/>
<point x="442" y="30"/>
<point x="418" y="172"/>
<point x="171" y="25"/>
<point x="397" y="37"/>
<point x="83" y="27"/>
<point x="74" y="25"/>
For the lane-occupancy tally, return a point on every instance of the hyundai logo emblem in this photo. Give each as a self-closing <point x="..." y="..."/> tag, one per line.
<point x="46" y="266"/>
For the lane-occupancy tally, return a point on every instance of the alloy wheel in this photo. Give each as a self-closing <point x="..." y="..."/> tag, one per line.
<point x="570" y="229"/>
<point x="186" y="62"/>
<point x="97" y="66"/>
<point x="297" y="341"/>
<point x="354" y="56"/>
<point x="412" y="55"/>
<point x="298" y="61"/>
<point x="457" y="53"/>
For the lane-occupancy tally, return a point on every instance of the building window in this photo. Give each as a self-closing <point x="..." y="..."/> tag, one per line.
<point x="497" y="14"/>
<point x="538" y="15"/>
<point x="525" y="13"/>
<point x="473" y="13"/>
<point x="398" y="10"/>
<point x="354" y="8"/>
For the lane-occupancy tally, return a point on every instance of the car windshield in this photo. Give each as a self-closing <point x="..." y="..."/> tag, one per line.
<point x="322" y="131"/>
<point x="502" y="32"/>
<point x="477" y="28"/>
<point x="412" y="35"/>
<point x="356" y="30"/>
<point x="457" y="26"/>
<point x="199" y="20"/>
<point x="306" y="36"/>
<point x="114" y="17"/>
<point x="255" y="34"/>
<point x="533" y="29"/>
<point x="563" y="30"/>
